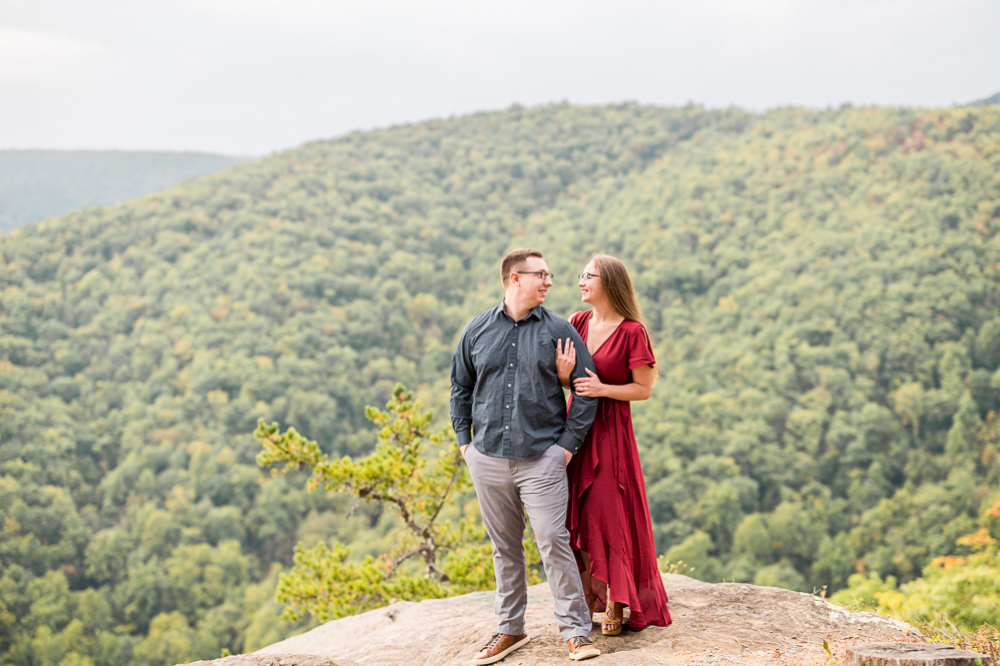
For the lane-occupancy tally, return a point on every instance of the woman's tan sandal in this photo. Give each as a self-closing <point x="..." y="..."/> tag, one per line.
<point x="593" y="602"/>
<point x="613" y="619"/>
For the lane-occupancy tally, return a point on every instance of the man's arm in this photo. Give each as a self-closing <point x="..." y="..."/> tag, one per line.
<point x="463" y="382"/>
<point x="583" y="408"/>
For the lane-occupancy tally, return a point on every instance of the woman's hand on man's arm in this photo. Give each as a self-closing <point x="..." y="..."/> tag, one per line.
<point x="565" y="361"/>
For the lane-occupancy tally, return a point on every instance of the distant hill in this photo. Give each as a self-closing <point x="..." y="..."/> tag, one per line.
<point x="822" y="289"/>
<point x="986" y="101"/>
<point x="38" y="184"/>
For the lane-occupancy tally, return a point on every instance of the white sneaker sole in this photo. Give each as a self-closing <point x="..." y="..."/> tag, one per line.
<point x="586" y="654"/>
<point x="497" y="657"/>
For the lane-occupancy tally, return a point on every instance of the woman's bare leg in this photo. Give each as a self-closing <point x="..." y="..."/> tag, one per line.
<point x="612" y="623"/>
<point x="585" y="574"/>
<point x="586" y="578"/>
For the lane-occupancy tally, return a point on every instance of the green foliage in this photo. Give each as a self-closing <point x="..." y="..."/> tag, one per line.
<point x="958" y="591"/>
<point x="326" y="585"/>
<point x="395" y="474"/>
<point x="696" y="549"/>
<point x="822" y="289"/>
<point x="962" y="591"/>
<point x="783" y="574"/>
<point x="323" y="582"/>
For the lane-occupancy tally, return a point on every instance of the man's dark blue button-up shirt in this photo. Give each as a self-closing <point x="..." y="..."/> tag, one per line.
<point x="505" y="394"/>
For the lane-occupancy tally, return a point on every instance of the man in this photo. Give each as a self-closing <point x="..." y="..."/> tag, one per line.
<point x="507" y="403"/>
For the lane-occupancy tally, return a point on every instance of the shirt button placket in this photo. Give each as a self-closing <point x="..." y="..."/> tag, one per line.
<point x="509" y="394"/>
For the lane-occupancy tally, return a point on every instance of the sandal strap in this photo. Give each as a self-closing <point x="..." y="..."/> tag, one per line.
<point x="614" y="620"/>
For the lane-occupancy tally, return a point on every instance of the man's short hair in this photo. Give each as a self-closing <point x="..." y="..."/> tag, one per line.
<point x="515" y="261"/>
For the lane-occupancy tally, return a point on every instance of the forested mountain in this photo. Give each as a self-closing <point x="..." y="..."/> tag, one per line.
<point x="822" y="289"/>
<point x="986" y="101"/>
<point x="38" y="184"/>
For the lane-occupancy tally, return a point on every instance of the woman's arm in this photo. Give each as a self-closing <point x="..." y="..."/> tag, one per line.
<point x="639" y="389"/>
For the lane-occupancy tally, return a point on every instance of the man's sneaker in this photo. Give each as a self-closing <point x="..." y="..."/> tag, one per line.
<point x="580" y="647"/>
<point x="499" y="647"/>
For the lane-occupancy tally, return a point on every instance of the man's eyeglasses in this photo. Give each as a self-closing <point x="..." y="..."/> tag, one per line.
<point x="542" y="275"/>
<point x="586" y="276"/>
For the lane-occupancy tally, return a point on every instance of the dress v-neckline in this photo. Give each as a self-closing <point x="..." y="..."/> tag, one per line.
<point x="605" y="341"/>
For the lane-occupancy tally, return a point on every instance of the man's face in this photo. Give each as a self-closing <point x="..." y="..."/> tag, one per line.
<point x="531" y="286"/>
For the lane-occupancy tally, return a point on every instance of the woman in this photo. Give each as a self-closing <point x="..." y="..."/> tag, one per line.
<point x="608" y="516"/>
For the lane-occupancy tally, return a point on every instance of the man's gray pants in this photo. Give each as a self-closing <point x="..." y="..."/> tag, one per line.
<point x="506" y="489"/>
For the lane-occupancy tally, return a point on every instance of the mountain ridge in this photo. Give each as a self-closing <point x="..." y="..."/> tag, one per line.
<point x="821" y="288"/>
<point x="39" y="184"/>
<point x="992" y="99"/>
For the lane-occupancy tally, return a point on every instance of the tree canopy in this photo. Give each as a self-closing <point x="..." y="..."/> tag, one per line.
<point x="822" y="290"/>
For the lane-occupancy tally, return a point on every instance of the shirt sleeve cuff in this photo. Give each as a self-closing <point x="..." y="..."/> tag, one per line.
<point x="464" y="437"/>
<point x="569" y="442"/>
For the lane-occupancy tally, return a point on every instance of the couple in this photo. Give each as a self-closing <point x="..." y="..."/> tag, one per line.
<point x="574" y="471"/>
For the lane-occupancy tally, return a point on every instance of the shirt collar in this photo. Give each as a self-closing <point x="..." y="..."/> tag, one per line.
<point x="535" y="312"/>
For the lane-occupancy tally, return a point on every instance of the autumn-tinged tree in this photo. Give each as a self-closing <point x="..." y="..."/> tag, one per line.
<point x="958" y="590"/>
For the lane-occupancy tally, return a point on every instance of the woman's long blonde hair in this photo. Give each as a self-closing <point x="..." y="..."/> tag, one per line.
<point x="618" y="287"/>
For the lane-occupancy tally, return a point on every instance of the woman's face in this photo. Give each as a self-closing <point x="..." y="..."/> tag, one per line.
<point x="590" y="287"/>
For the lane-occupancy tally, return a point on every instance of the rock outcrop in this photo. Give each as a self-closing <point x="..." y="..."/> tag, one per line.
<point x="726" y="623"/>
<point x="913" y="654"/>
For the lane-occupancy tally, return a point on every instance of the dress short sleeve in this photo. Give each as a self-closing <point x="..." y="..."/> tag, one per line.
<point x="640" y="350"/>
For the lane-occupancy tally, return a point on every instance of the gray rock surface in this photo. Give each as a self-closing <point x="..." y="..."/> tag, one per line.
<point x="913" y="654"/>
<point x="268" y="660"/>
<point x="727" y="623"/>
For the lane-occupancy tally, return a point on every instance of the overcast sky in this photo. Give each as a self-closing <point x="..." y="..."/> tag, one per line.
<point x="255" y="76"/>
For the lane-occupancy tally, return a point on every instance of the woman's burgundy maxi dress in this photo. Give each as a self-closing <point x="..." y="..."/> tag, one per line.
<point x="608" y="514"/>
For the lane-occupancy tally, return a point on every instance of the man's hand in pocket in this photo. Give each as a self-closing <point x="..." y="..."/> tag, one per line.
<point x="569" y="456"/>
